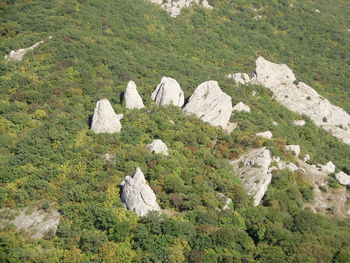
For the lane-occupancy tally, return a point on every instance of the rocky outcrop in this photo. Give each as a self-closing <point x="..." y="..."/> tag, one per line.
<point x="137" y="195"/>
<point x="328" y="167"/>
<point x="105" y="120"/>
<point x="299" y="123"/>
<point x="253" y="169"/>
<point x="132" y="98"/>
<point x="158" y="146"/>
<point x="35" y="222"/>
<point x="343" y="178"/>
<point x="294" y="149"/>
<point x="210" y="104"/>
<point x="301" y="98"/>
<point x="173" y="7"/>
<point x="17" y="55"/>
<point x="168" y="92"/>
<point x="239" y="78"/>
<point x="266" y="134"/>
<point x="241" y="107"/>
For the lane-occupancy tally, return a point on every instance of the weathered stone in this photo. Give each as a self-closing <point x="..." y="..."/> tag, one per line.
<point x="231" y="126"/>
<point x="158" y="146"/>
<point x="253" y="169"/>
<point x="168" y="92"/>
<point x="210" y="104"/>
<point x="241" y="107"/>
<point x="343" y="178"/>
<point x="239" y="78"/>
<point x="173" y="7"/>
<point x="266" y="134"/>
<point x="294" y="149"/>
<point x="299" y="122"/>
<point x="109" y="157"/>
<point x="104" y="119"/>
<point x="36" y="223"/>
<point x="132" y="98"/>
<point x="307" y="158"/>
<point x="137" y="195"/>
<point x="329" y="167"/>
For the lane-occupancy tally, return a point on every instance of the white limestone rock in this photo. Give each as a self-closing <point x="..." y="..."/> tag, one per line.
<point x="105" y="120"/>
<point x="329" y="167"/>
<point x="286" y="165"/>
<point x="168" y="92"/>
<point x="299" y="123"/>
<point x="307" y="158"/>
<point x="239" y="78"/>
<point x="253" y="169"/>
<point x="173" y="7"/>
<point x="109" y="158"/>
<point x="343" y="178"/>
<point x="231" y="126"/>
<point x="138" y="195"/>
<point x="266" y="134"/>
<point x="158" y="146"/>
<point x="132" y="98"/>
<point x="36" y="223"/>
<point x="241" y="107"/>
<point x="210" y="104"/>
<point x="302" y="99"/>
<point x="294" y="149"/>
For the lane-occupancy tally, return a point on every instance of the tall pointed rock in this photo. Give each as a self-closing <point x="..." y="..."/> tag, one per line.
<point x="105" y="120"/>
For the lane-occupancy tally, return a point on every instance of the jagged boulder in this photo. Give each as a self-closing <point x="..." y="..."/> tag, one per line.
<point x="210" y="104"/>
<point x="132" y="98"/>
<point x="253" y="169"/>
<point x="239" y="78"/>
<point x="241" y="107"/>
<point x="294" y="149"/>
<point x="138" y="195"/>
<point x="105" y="120"/>
<point x="266" y="134"/>
<point x="168" y="92"/>
<point x="343" y="178"/>
<point x="158" y="146"/>
<point x="173" y="7"/>
<point x="35" y="222"/>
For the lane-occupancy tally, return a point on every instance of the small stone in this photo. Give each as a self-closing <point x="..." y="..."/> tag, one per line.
<point x="299" y="122"/>
<point x="343" y="178"/>
<point x="294" y="149"/>
<point x="158" y="146"/>
<point x="241" y="107"/>
<point x="266" y="134"/>
<point x="329" y="167"/>
<point x="239" y="78"/>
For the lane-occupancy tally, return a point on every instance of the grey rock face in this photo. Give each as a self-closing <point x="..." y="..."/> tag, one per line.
<point x="253" y="169"/>
<point x="293" y="148"/>
<point x="132" y="98"/>
<point x="168" y="92"/>
<point x="104" y="119"/>
<point x="241" y="107"/>
<point x="36" y="223"/>
<point x="158" y="146"/>
<point x="239" y="78"/>
<point x="137" y="195"/>
<point x="343" y="178"/>
<point x="173" y="7"/>
<point x="266" y="134"/>
<point x="210" y="104"/>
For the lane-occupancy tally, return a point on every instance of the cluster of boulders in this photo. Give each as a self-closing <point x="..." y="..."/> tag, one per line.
<point x="173" y="7"/>
<point x="298" y="97"/>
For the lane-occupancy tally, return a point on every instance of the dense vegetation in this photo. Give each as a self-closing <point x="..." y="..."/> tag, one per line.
<point x="50" y="159"/>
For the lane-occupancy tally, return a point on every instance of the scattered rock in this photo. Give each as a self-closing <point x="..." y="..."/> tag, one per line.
<point x="104" y="119"/>
<point x="231" y="126"/>
<point x="239" y="78"/>
<point x="307" y="158"/>
<point x="109" y="157"/>
<point x="317" y="11"/>
<point x="328" y="167"/>
<point x="299" y="122"/>
<point x="132" y="98"/>
<point x="275" y="123"/>
<point x="137" y="195"/>
<point x="294" y="149"/>
<point x="287" y="165"/>
<point x="36" y="223"/>
<point x="158" y="146"/>
<point x="253" y="169"/>
<point x="168" y="92"/>
<point x="266" y="134"/>
<point x="228" y="202"/>
<point x="241" y="107"/>
<point x="343" y="178"/>
<point x="210" y="104"/>
<point x="173" y="7"/>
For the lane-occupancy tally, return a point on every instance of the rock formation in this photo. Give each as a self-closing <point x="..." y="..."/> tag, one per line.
<point x="173" y="7"/>
<point x="104" y="119"/>
<point x="343" y="178"/>
<point x="294" y="149"/>
<point x="301" y="98"/>
<point x="241" y="107"/>
<point x="253" y="169"/>
<point x="36" y="223"/>
<point x="329" y="167"/>
<point x="137" y="195"/>
<point x="17" y="55"/>
<point x="132" y="98"/>
<point x="266" y="134"/>
<point x="210" y="104"/>
<point x="239" y="78"/>
<point x="168" y="92"/>
<point x="158" y="146"/>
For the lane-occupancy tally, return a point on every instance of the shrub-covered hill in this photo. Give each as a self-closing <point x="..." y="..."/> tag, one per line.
<point x="50" y="159"/>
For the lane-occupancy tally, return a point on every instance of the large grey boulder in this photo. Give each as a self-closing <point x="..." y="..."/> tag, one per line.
<point x="168" y="92"/>
<point x="210" y="104"/>
<point x="158" y="146"/>
<point x="132" y="98"/>
<point x="105" y="120"/>
<point x="301" y="98"/>
<point x="343" y="178"/>
<point x="253" y="169"/>
<point x="173" y="7"/>
<point x="137" y="195"/>
<point x="35" y="222"/>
